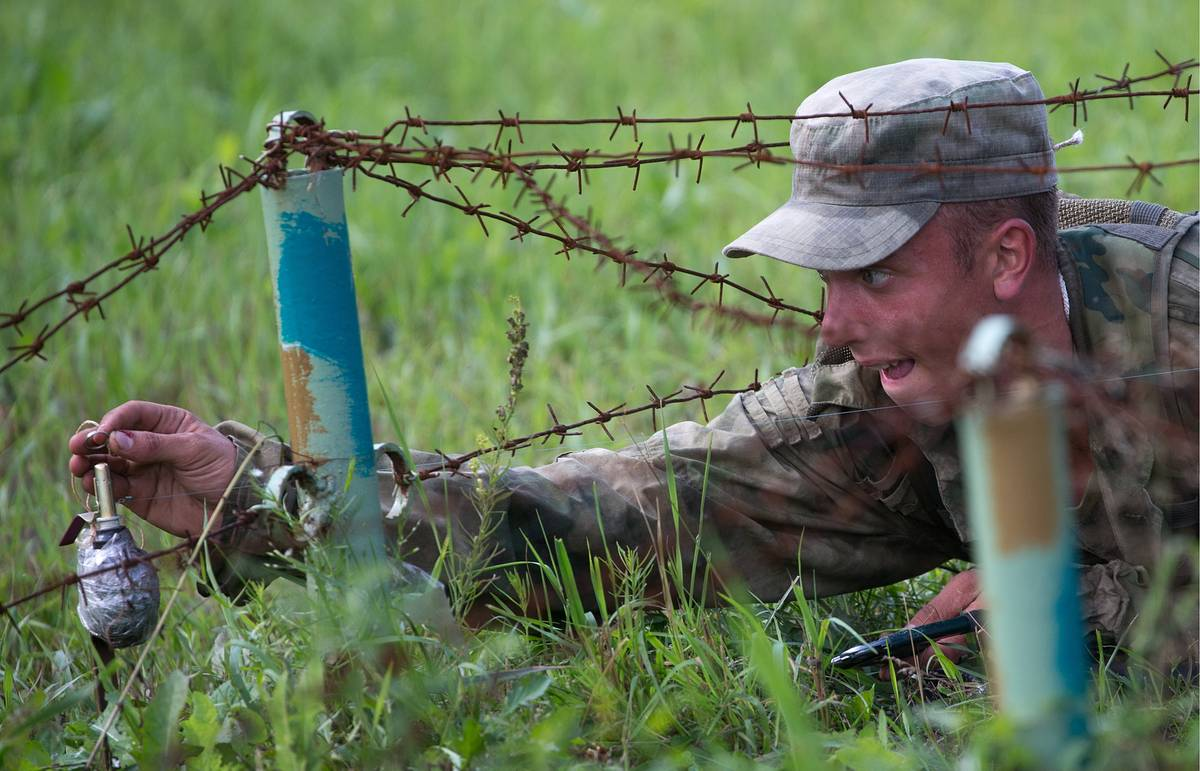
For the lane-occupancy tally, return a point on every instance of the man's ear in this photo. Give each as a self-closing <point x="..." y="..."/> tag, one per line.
<point x="1012" y="256"/>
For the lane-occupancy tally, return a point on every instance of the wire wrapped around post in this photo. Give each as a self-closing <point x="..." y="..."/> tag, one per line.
<point x="321" y="350"/>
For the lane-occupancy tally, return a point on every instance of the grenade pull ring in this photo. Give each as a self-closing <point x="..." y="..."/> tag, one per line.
<point x="118" y="590"/>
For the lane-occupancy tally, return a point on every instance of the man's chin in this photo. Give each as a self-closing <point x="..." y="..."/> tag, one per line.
<point x="920" y="401"/>
<point x="928" y="413"/>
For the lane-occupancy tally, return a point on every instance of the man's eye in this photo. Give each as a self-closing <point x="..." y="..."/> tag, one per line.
<point x="873" y="277"/>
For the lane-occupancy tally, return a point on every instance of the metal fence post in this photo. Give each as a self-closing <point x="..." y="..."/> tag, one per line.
<point x="1014" y="454"/>
<point x="320" y="347"/>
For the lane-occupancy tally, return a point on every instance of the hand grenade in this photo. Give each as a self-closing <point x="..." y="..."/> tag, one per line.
<point x="118" y="591"/>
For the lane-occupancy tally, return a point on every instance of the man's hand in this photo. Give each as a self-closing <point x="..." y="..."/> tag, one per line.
<point x="172" y="465"/>
<point x="959" y="595"/>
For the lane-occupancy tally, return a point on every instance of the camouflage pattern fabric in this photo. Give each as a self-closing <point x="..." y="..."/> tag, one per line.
<point x="809" y="483"/>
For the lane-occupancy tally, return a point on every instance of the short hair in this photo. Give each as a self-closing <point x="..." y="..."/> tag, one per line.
<point x="971" y="222"/>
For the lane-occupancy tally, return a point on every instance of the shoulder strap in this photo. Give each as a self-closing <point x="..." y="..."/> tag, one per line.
<point x="1074" y="212"/>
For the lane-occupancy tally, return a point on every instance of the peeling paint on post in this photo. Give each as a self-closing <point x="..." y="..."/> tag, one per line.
<point x="320" y="347"/>
<point x="1014" y="454"/>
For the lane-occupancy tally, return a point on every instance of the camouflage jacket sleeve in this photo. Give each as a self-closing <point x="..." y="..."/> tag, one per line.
<point x="242" y="554"/>
<point x="762" y="494"/>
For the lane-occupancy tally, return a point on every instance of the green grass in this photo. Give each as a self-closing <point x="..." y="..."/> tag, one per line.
<point x="119" y="112"/>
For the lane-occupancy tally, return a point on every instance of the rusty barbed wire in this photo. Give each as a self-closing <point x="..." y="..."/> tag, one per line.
<point x="142" y="257"/>
<point x="338" y="149"/>
<point x="683" y="395"/>
<point x="594" y="242"/>
<point x="441" y="158"/>
<point x="1117" y="88"/>
<point x="452" y="464"/>
<point x="354" y="151"/>
<point x="662" y="272"/>
<point x="1109" y="397"/>
<point x="588" y="238"/>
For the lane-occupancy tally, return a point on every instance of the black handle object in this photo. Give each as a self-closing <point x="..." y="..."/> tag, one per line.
<point x="908" y="642"/>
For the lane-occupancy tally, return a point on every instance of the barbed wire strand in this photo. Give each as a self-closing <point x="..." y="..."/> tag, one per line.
<point x="662" y="272"/>
<point x="1091" y="387"/>
<point x="596" y="243"/>
<point x="142" y="258"/>
<point x="316" y="142"/>
<point x="442" y="158"/>
<point x="1117" y="88"/>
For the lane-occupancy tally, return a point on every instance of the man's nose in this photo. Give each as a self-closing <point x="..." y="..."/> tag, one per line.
<point x="838" y="323"/>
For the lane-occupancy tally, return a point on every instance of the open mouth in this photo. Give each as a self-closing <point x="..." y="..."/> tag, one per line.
<point x="897" y="370"/>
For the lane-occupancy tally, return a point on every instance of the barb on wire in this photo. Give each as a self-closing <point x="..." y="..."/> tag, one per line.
<point x="1145" y="171"/>
<point x="1125" y="82"/>
<point x="1182" y="94"/>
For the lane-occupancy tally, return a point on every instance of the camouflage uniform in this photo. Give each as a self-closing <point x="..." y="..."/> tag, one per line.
<point x="807" y="477"/>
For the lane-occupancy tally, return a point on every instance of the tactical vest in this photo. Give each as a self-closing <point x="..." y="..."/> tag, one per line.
<point x="1133" y="291"/>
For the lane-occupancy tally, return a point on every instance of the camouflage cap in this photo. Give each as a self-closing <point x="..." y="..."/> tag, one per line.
<point x="839" y="220"/>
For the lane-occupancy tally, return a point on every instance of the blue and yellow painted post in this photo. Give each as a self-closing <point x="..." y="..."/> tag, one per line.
<point x="321" y="350"/>
<point x="1014" y="454"/>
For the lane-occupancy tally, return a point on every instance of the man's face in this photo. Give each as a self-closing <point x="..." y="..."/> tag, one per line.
<point x="907" y="316"/>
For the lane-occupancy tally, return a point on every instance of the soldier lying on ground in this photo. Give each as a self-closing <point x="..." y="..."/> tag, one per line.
<point x="819" y="471"/>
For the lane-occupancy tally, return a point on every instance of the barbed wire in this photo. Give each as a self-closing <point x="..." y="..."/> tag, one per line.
<point x="594" y="242"/>
<point x="662" y="272"/>
<point x="588" y="238"/>
<point x="366" y="153"/>
<point x="142" y="257"/>
<point x="1095" y="391"/>
<point x="685" y="394"/>
<point x="1117" y="88"/>
<point x="338" y="150"/>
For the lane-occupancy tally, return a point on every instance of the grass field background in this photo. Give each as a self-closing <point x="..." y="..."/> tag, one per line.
<point x="120" y="112"/>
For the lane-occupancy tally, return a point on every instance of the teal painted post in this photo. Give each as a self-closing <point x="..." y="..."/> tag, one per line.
<point x="321" y="350"/>
<point x="1014" y="454"/>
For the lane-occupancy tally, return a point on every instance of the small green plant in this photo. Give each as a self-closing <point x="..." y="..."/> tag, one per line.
<point x="470" y="567"/>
